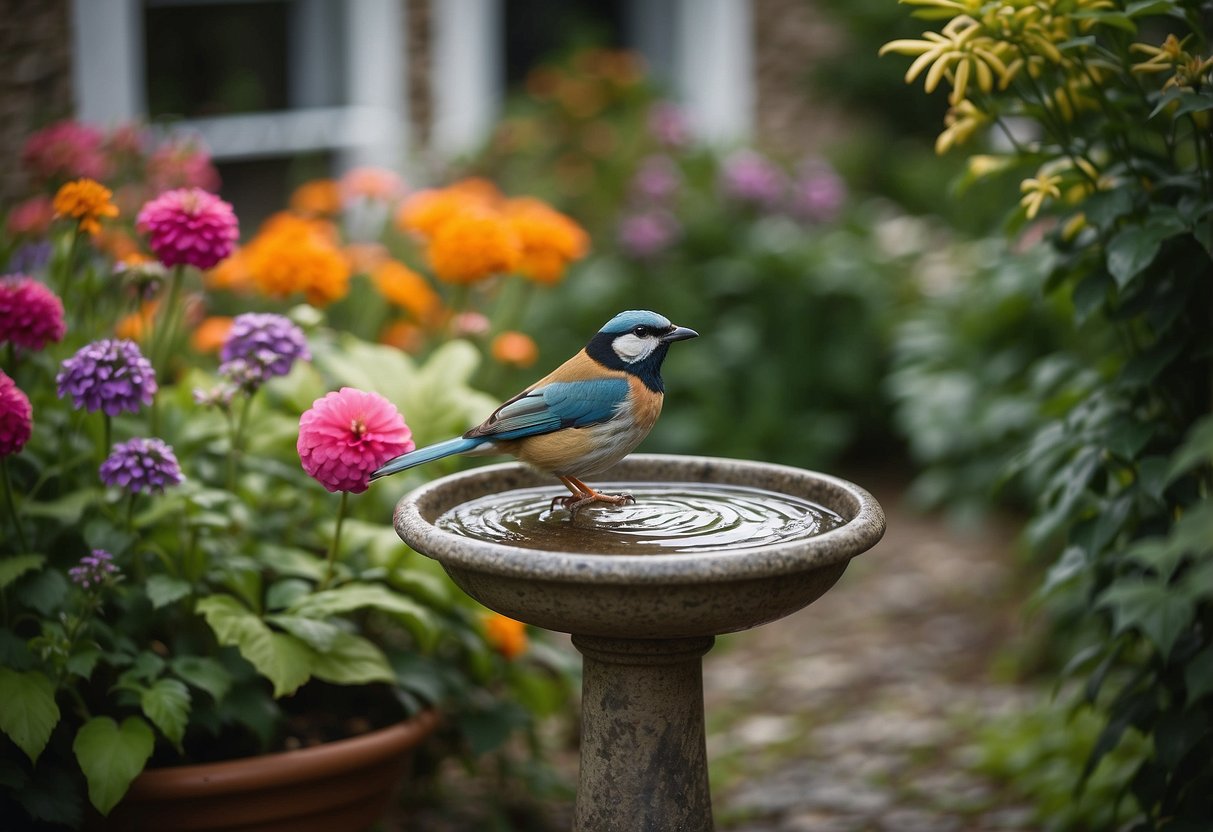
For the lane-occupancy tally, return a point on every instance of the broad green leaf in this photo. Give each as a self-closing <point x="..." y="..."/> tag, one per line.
<point x="163" y="589"/>
<point x="203" y="673"/>
<point x="357" y="596"/>
<point x="14" y="567"/>
<point x="352" y="660"/>
<point x="1197" y="449"/>
<point x="28" y="712"/>
<point x="283" y="659"/>
<point x="317" y="633"/>
<point x="288" y="561"/>
<point x="1146" y="8"/>
<point x="82" y="662"/>
<point x="282" y="593"/>
<point x="1149" y="606"/>
<point x="1135" y="248"/>
<point x="1198" y="675"/>
<point x="1073" y="561"/>
<point x="167" y="704"/>
<point x="67" y="509"/>
<point x="111" y="756"/>
<point x="45" y="591"/>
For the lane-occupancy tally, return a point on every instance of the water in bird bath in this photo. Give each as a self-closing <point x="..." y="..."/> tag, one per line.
<point x="666" y="518"/>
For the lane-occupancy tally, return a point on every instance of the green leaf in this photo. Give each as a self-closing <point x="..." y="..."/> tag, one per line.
<point x="1197" y="449"/>
<point x="82" y="662"/>
<point x="283" y="659"/>
<point x="14" y="567"/>
<point x="288" y="561"/>
<point x="352" y="660"/>
<point x="1147" y="8"/>
<point x="204" y="673"/>
<point x="317" y="633"/>
<point x="1149" y="606"/>
<point x="1135" y="248"/>
<point x="1198" y="675"/>
<point x="1073" y="561"/>
<point x="358" y="596"/>
<point x="67" y="509"/>
<point x="28" y="712"/>
<point x="167" y="704"/>
<point x="111" y="757"/>
<point x="163" y="590"/>
<point x="45" y="591"/>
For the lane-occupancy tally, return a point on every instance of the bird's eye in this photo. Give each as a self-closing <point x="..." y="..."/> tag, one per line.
<point x="640" y="331"/>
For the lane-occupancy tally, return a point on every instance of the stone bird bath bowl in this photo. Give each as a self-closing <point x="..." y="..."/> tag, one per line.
<point x="711" y="546"/>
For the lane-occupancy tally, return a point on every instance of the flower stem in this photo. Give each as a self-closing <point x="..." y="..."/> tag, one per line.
<point x="12" y="503"/>
<point x="162" y="338"/>
<point x="108" y="436"/>
<point x="236" y="452"/>
<point x="332" y="557"/>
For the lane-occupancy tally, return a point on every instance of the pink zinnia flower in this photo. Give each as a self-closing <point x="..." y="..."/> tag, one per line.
<point x="181" y="164"/>
<point x="65" y="150"/>
<point x="31" y="315"/>
<point x="348" y="434"/>
<point x="32" y="217"/>
<point x="189" y="226"/>
<point x="16" y="417"/>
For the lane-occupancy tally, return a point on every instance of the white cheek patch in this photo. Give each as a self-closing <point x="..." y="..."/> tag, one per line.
<point x="632" y="349"/>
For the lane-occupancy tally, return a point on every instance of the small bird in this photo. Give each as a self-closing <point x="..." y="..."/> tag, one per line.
<point x="583" y="417"/>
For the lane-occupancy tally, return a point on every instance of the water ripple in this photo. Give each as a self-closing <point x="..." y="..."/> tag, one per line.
<point x="667" y="518"/>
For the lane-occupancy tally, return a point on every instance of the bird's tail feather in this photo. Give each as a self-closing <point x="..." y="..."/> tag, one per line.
<point x="429" y="453"/>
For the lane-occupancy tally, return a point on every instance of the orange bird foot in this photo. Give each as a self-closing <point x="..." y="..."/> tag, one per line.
<point x="583" y="495"/>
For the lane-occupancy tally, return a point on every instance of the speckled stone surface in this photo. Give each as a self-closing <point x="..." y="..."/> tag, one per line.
<point x="646" y="596"/>
<point x="643" y="622"/>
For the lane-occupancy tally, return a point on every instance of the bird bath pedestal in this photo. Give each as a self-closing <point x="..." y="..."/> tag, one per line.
<point x="644" y="590"/>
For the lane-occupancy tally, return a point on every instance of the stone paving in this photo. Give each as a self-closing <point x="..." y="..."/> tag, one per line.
<point x="854" y="715"/>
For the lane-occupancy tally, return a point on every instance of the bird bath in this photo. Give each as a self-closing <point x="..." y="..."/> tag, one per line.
<point x="711" y="546"/>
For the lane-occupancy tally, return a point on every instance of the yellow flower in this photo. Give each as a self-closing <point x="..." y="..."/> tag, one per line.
<point x="507" y="636"/>
<point x="1074" y="225"/>
<point x="85" y="201"/>
<point x="408" y="290"/>
<point x="472" y="246"/>
<point x="962" y="121"/>
<point x="982" y="165"/>
<point x="959" y="51"/>
<point x="516" y="349"/>
<point x="291" y="254"/>
<point x="1187" y="70"/>
<point x="550" y="240"/>
<point x="1037" y="190"/>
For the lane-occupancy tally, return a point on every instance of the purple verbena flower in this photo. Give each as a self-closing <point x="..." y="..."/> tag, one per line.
<point x="818" y="193"/>
<point x="657" y="179"/>
<point x="94" y="569"/>
<point x="266" y="340"/>
<point x="141" y="465"/>
<point x="668" y="124"/>
<point x="110" y="375"/>
<point x="648" y="233"/>
<point x="752" y="178"/>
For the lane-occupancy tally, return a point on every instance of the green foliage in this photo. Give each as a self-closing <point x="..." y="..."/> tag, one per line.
<point x="111" y="756"/>
<point x="1119" y="460"/>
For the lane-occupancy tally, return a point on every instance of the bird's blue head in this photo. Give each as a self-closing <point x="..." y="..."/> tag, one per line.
<point x="636" y="342"/>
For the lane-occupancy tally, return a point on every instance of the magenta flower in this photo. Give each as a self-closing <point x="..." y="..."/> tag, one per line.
<point x="668" y="124"/>
<point x="31" y="315"/>
<point x="818" y="193"/>
<point x="109" y="375"/>
<point x="65" y="150"/>
<point x="657" y="179"/>
<point x="139" y="465"/>
<point x="32" y="217"/>
<point x="16" y="417"/>
<point x="181" y="164"/>
<point x="348" y="434"/>
<point x="189" y="226"/>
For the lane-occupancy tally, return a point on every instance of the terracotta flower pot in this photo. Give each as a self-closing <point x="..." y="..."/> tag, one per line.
<point x="342" y="785"/>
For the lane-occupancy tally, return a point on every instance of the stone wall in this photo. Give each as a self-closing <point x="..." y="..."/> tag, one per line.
<point x="35" y="79"/>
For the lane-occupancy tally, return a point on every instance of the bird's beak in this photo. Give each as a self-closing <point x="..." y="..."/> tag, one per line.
<point x="679" y="333"/>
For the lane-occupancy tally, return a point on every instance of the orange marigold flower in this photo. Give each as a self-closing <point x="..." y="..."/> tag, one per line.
<point x="408" y="290"/>
<point x="137" y="325"/>
<point x="231" y="274"/>
<point x="403" y="335"/>
<point x="86" y="201"/>
<point x="473" y="246"/>
<point x="210" y="334"/>
<point x="514" y="348"/>
<point x="507" y="636"/>
<point x="371" y="183"/>
<point x="317" y="198"/>
<point x="291" y="254"/>
<point x="364" y="258"/>
<point x="550" y="240"/>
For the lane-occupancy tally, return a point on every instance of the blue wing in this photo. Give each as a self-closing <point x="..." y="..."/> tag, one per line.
<point x="560" y="404"/>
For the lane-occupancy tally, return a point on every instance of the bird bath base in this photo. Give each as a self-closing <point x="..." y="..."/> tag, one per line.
<point x="641" y="617"/>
